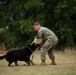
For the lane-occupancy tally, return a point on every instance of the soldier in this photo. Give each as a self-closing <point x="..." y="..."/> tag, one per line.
<point x="49" y="43"/>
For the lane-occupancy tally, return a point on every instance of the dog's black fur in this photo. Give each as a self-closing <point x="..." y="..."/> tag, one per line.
<point x="21" y="55"/>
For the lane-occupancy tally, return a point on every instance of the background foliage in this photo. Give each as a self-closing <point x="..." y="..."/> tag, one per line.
<point x="18" y="16"/>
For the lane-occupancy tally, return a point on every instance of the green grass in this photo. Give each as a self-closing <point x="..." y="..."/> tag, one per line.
<point x="66" y="65"/>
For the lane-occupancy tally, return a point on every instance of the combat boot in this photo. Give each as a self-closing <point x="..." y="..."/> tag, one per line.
<point x="43" y="63"/>
<point x="53" y="62"/>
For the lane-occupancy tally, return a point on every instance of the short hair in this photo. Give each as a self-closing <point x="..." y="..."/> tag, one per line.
<point x="36" y="23"/>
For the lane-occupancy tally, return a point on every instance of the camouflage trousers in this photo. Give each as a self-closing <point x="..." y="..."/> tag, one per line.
<point x="48" y="47"/>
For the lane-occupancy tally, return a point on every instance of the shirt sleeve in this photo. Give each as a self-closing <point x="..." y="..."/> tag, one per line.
<point x="39" y="35"/>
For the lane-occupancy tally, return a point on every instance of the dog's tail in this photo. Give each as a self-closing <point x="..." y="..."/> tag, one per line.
<point x="2" y="57"/>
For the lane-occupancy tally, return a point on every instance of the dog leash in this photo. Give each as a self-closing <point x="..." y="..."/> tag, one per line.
<point x="32" y="52"/>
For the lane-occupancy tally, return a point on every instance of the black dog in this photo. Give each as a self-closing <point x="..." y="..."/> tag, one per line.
<point x="21" y="55"/>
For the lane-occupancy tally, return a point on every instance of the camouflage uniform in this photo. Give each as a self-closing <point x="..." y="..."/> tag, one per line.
<point x="50" y="41"/>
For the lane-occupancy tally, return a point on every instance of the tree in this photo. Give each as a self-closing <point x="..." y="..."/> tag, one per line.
<point x="17" y="18"/>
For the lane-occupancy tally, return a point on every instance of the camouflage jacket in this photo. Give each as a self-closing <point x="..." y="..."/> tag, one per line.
<point x="46" y="33"/>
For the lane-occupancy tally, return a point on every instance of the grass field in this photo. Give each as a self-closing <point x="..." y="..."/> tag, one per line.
<point x="66" y="65"/>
